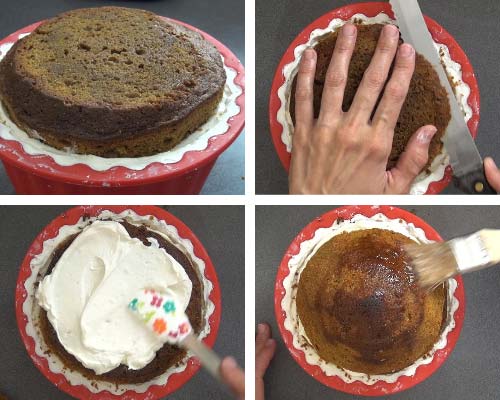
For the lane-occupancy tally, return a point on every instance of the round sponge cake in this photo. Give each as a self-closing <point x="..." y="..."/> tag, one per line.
<point x="361" y="308"/>
<point x="111" y="81"/>
<point x="426" y="102"/>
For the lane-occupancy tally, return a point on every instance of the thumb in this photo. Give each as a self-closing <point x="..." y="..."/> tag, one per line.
<point x="411" y="161"/>
<point x="492" y="173"/>
<point x="233" y="376"/>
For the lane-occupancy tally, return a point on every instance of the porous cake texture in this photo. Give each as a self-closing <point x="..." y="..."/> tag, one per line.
<point x="111" y="81"/>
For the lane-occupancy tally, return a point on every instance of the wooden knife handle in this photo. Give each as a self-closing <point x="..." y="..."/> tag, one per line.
<point x="474" y="182"/>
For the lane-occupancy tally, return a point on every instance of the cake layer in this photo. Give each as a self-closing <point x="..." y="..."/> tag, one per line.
<point x="360" y="306"/>
<point x="426" y="102"/>
<point x="168" y="355"/>
<point x="101" y="267"/>
<point x="110" y="81"/>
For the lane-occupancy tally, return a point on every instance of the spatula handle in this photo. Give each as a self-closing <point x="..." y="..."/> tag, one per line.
<point x="474" y="182"/>
<point x="208" y="358"/>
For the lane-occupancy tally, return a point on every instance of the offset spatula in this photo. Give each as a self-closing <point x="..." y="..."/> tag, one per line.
<point x="467" y="164"/>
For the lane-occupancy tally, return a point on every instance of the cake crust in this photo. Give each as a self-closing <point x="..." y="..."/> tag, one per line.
<point x="426" y="103"/>
<point x="169" y="355"/>
<point x="361" y="307"/>
<point x="111" y="81"/>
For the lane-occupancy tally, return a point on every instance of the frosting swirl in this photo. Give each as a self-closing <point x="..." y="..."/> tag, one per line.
<point x="87" y="293"/>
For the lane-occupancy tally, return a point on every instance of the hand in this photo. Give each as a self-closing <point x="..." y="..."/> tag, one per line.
<point x="346" y="152"/>
<point x="265" y="347"/>
<point x="492" y="173"/>
<point x="233" y="376"/>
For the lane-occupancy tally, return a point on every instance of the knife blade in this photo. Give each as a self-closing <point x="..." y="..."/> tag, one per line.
<point x="465" y="159"/>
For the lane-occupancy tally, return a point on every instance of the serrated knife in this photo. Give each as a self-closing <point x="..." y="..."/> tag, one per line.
<point x="467" y="164"/>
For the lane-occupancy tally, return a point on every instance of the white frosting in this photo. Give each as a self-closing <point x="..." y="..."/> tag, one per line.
<point x="297" y="264"/>
<point x="453" y="69"/>
<point x="87" y="294"/>
<point x="198" y="140"/>
<point x="41" y="259"/>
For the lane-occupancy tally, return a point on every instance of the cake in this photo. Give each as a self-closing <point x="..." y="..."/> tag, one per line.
<point x="361" y="308"/>
<point x="112" y="82"/>
<point x="426" y="102"/>
<point x="67" y="345"/>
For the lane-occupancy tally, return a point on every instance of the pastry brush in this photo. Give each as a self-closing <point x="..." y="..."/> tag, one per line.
<point x="161" y="314"/>
<point x="435" y="262"/>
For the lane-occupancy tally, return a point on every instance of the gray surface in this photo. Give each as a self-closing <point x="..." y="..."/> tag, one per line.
<point x="220" y="229"/>
<point x="471" y="371"/>
<point x="223" y="19"/>
<point x="474" y="24"/>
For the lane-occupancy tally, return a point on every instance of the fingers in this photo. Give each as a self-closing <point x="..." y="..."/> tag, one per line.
<point x="375" y="75"/>
<point x="395" y="92"/>
<point x="298" y="160"/>
<point x="304" y="113"/>
<point x="412" y="161"/>
<point x="492" y="173"/>
<point x="233" y="376"/>
<point x="336" y="75"/>
<point x="263" y="333"/>
<point x="264" y="349"/>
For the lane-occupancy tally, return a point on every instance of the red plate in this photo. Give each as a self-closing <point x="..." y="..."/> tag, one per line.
<point x="379" y="388"/>
<point x="372" y="9"/>
<point x="71" y="217"/>
<point x="13" y="152"/>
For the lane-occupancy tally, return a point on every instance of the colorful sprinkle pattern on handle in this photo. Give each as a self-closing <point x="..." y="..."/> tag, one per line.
<point x="160" y="313"/>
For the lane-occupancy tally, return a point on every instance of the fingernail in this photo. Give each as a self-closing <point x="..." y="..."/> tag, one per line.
<point x="270" y="342"/>
<point x="406" y="50"/>
<point x="230" y="362"/>
<point x="349" y="30"/>
<point x="308" y="56"/>
<point x="489" y="160"/>
<point x="426" y="135"/>
<point x="392" y="30"/>
<point x="261" y="329"/>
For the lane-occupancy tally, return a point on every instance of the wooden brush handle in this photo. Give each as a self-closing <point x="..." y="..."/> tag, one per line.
<point x="491" y="239"/>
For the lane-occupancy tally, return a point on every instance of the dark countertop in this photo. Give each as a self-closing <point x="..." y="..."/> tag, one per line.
<point x="21" y="380"/>
<point x="474" y="24"/>
<point x="223" y="19"/>
<point x="472" y="369"/>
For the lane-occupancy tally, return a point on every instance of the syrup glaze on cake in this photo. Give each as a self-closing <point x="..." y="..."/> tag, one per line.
<point x="361" y="308"/>
<point x="111" y="81"/>
<point x="426" y="102"/>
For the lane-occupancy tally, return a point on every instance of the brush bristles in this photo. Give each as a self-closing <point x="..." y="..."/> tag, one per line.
<point x="432" y="263"/>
